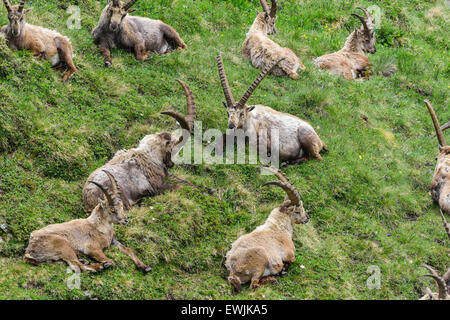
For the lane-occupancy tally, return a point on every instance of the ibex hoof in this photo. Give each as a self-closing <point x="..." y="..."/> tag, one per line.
<point x="107" y="265"/>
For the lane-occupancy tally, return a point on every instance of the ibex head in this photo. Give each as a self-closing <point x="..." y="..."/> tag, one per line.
<point x="293" y="205"/>
<point x="16" y="17"/>
<point x="443" y="284"/>
<point x="270" y="15"/>
<point x="443" y="148"/>
<point x="366" y="35"/>
<point x="117" y="11"/>
<point x="112" y="206"/>
<point x="238" y="111"/>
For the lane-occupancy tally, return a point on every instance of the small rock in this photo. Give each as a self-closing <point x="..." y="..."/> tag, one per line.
<point x="87" y="294"/>
<point x="4" y="227"/>
<point x="302" y="266"/>
<point x="1" y="240"/>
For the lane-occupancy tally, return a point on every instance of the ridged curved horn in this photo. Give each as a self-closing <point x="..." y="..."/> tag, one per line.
<point x="180" y="118"/>
<point x="443" y="128"/>
<point x="116" y="3"/>
<point x="7" y="5"/>
<point x="129" y="4"/>
<point x="113" y="181"/>
<point x="21" y="5"/>
<point x="289" y="189"/>
<point x="224" y="81"/>
<point x="273" y="9"/>
<point x="255" y="84"/>
<point x="439" y="281"/>
<point x="369" y="19"/>
<point x="107" y="194"/>
<point x="265" y="6"/>
<point x="190" y="102"/>
<point x="446" y="225"/>
<point x="363" y="21"/>
<point x="437" y="126"/>
<point x="278" y="173"/>
<point x="447" y="279"/>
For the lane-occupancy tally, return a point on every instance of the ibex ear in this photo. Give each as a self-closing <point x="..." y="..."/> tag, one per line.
<point x="250" y="108"/>
<point x="225" y="104"/>
<point x="132" y="10"/>
<point x="101" y="203"/>
<point x="27" y="10"/>
<point x="257" y="12"/>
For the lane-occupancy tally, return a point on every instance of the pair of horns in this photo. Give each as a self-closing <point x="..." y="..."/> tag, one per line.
<point x="440" y="281"/>
<point x="186" y="122"/>
<point x="9" y="8"/>
<point x="108" y="194"/>
<point x="437" y="126"/>
<point x="285" y="184"/>
<point x="273" y="10"/>
<point x="126" y="6"/>
<point x="226" y="87"/>
<point x="367" y="21"/>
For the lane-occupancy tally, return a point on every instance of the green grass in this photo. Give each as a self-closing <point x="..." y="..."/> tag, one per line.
<point x="368" y="199"/>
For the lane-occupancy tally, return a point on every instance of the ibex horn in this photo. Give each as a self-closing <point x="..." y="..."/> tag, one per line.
<point x="21" y="5"/>
<point x="255" y="84"/>
<point x="439" y="280"/>
<point x="107" y="194"/>
<point x="7" y="5"/>
<point x="265" y="6"/>
<point x="289" y="189"/>
<point x="113" y="181"/>
<point x="437" y="126"/>
<point x="190" y="102"/>
<point x="278" y="173"/>
<point x="363" y="21"/>
<point x="129" y="4"/>
<point x="443" y="128"/>
<point x="273" y="9"/>
<point x="224" y="81"/>
<point x="367" y="13"/>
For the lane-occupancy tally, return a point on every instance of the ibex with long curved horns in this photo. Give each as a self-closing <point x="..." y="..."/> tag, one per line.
<point x="89" y="236"/>
<point x="440" y="185"/>
<point x="298" y="140"/>
<point x="351" y="61"/>
<point x="117" y="29"/>
<point x="443" y="284"/>
<point x="141" y="171"/>
<point x="263" y="52"/>
<point x="43" y="43"/>
<point x="269" y="249"/>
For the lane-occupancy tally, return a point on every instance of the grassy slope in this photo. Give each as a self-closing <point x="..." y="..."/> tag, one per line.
<point x="368" y="199"/>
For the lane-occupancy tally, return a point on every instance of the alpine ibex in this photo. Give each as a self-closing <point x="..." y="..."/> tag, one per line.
<point x="269" y="249"/>
<point x="298" y="140"/>
<point x="351" y="61"/>
<point x="117" y="29"/>
<point x="440" y="186"/>
<point x="443" y="284"/>
<point x="141" y="171"/>
<point x="89" y="236"/>
<point x="263" y="52"/>
<point x="43" y="43"/>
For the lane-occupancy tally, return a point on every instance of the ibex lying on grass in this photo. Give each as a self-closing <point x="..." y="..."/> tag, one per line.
<point x="142" y="35"/>
<point x="440" y="186"/>
<point x="269" y="249"/>
<point x="298" y="140"/>
<point x="89" y="236"/>
<point x="43" y="43"/>
<point x="351" y="61"/>
<point x="263" y="52"/>
<point x="141" y="171"/>
<point x="443" y="284"/>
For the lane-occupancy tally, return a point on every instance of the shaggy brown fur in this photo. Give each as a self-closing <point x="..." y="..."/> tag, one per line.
<point x="351" y="61"/>
<point x="440" y="185"/>
<point x="443" y="284"/>
<point x="298" y="141"/>
<point x="141" y="171"/>
<point x="87" y="236"/>
<point x="269" y="249"/>
<point x="263" y="52"/>
<point x="43" y="43"/>
<point x="117" y="29"/>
